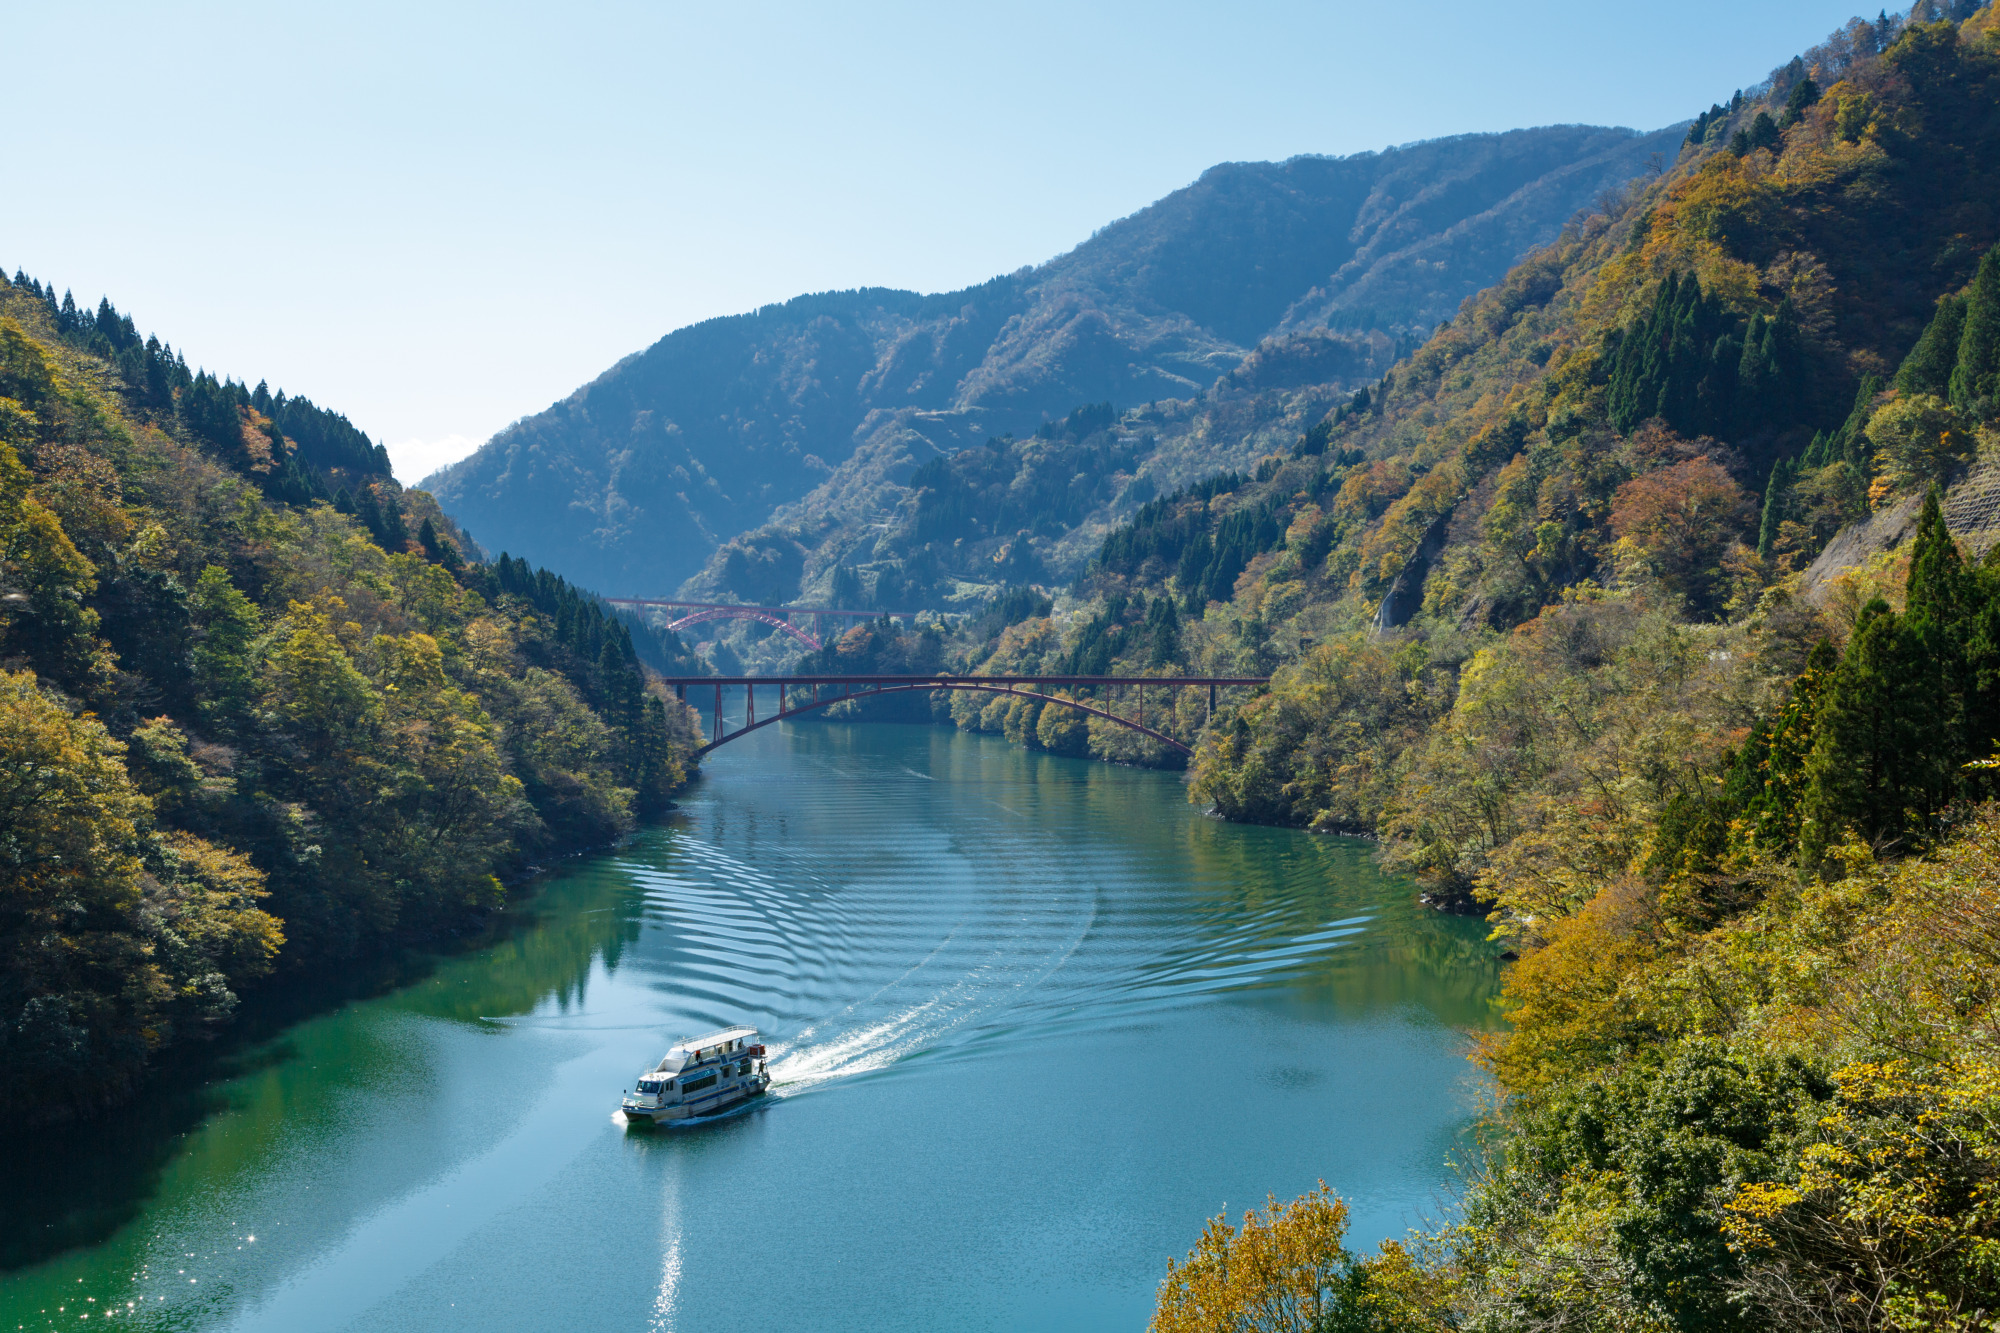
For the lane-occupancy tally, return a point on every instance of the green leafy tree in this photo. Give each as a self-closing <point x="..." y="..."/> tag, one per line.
<point x="1063" y="731"/>
<point x="1918" y="442"/>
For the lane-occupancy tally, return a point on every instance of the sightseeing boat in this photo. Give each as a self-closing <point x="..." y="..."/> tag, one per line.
<point x="699" y="1079"/>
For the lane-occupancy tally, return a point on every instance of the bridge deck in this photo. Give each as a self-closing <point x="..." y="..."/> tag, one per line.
<point x="945" y="681"/>
<point x="774" y="610"/>
<point x="816" y="695"/>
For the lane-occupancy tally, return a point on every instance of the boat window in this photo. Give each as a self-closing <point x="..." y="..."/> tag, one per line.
<point x="697" y="1084"/>
<point x="649" y="1087"/>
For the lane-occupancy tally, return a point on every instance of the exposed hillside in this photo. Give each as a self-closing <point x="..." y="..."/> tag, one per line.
<point x="831" y="400"/>
<point x="246" y="730"/>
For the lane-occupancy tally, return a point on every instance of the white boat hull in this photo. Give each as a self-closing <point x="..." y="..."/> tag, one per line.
<point x="685" y="1117"/>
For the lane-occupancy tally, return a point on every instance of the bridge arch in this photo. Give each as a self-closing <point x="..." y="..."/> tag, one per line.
<point x="775" y="619"/>
<point x="926" y="685"/>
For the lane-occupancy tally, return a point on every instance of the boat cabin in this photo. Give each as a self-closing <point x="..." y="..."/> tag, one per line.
<point x="700" y="1076"/>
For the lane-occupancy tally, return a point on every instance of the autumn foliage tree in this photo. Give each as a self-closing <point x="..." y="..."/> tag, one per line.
<point x="111" y="930"/>
<point x="1681" y="524"/>
<point x="1284" y="1271"/>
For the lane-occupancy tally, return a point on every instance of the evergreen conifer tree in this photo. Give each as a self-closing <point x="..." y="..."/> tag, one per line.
<point x="1804" y="93"/>
<point x="369" y="511"/>
<point x="1929" y="366"/>
<point x="1903" y="712"/>
<point x="1757" y="379"/>
<point x="1774" y="506"/>
<point x="1868" y="772"/>
<point x="1718" y="399"/>
<point x="1937" y="592"/>
<point x="1975" y="380"/>
<point x="1163" y="630"/>
<point x="616" y="682"/>
<point x="395" y="535"/>
<point x="1849" y="444"/>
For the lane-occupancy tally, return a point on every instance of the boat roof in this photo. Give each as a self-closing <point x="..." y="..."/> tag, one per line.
<point x="678" y="1054"/>
<point x="714" y="1039"/>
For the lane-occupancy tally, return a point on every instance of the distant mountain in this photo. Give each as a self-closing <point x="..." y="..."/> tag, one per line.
<point x="632" y="483"/>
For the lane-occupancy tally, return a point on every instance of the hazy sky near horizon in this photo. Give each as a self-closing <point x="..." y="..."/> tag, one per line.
<point x="438" y="218"/>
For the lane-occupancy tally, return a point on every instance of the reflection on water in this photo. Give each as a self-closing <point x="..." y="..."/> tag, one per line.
<point x="1031" y="1020"/>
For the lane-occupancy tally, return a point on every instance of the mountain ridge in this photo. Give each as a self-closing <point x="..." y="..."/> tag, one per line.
<point x="634" y="479"/>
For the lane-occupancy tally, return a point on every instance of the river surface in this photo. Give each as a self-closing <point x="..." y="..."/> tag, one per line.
<point x="1032" y="1020"/>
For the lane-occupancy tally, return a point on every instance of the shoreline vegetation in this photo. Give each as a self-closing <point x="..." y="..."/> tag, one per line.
<point x="264" y="713"/>
<point x="1550" y="614"/>
<point x="1587" y="612"/>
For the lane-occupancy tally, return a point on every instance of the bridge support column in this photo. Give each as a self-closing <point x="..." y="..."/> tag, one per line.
<point x="749" y="705"/>
<point x="781" y="698"/>
<point x="718" y="712"/>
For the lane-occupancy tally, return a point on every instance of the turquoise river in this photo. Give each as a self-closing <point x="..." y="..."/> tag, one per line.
<point x="1032" y="1020"/>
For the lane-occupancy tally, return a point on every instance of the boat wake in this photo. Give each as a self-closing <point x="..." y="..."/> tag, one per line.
<point x="853" y="959"/>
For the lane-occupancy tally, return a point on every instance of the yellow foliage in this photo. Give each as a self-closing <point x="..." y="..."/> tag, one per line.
<point x="1721" y="205"/>
<point x="1894" y="1214"/>
<point x="210" y="898"/>
<point x="1283" y="1272"/>
<point x="72" y="816"/>
<point x="1574" y="1002"/>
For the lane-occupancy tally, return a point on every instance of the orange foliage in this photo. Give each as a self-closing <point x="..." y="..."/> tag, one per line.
<point x="1682" y="521"/>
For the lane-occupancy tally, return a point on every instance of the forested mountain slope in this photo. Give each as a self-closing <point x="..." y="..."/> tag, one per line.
<point x="1651" y="608"/>
<point x="630" y="483"/>
<point x="247" y="730"/>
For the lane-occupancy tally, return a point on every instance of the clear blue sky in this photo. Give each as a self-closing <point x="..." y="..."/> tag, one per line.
<point x="438" y="218"/>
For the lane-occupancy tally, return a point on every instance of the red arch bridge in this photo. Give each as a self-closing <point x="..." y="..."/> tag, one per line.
<point x="805" y="694"/>
<point x="779" y="617"/>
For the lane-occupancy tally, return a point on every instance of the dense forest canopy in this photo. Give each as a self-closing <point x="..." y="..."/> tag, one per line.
<point x="262" y="710"/>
